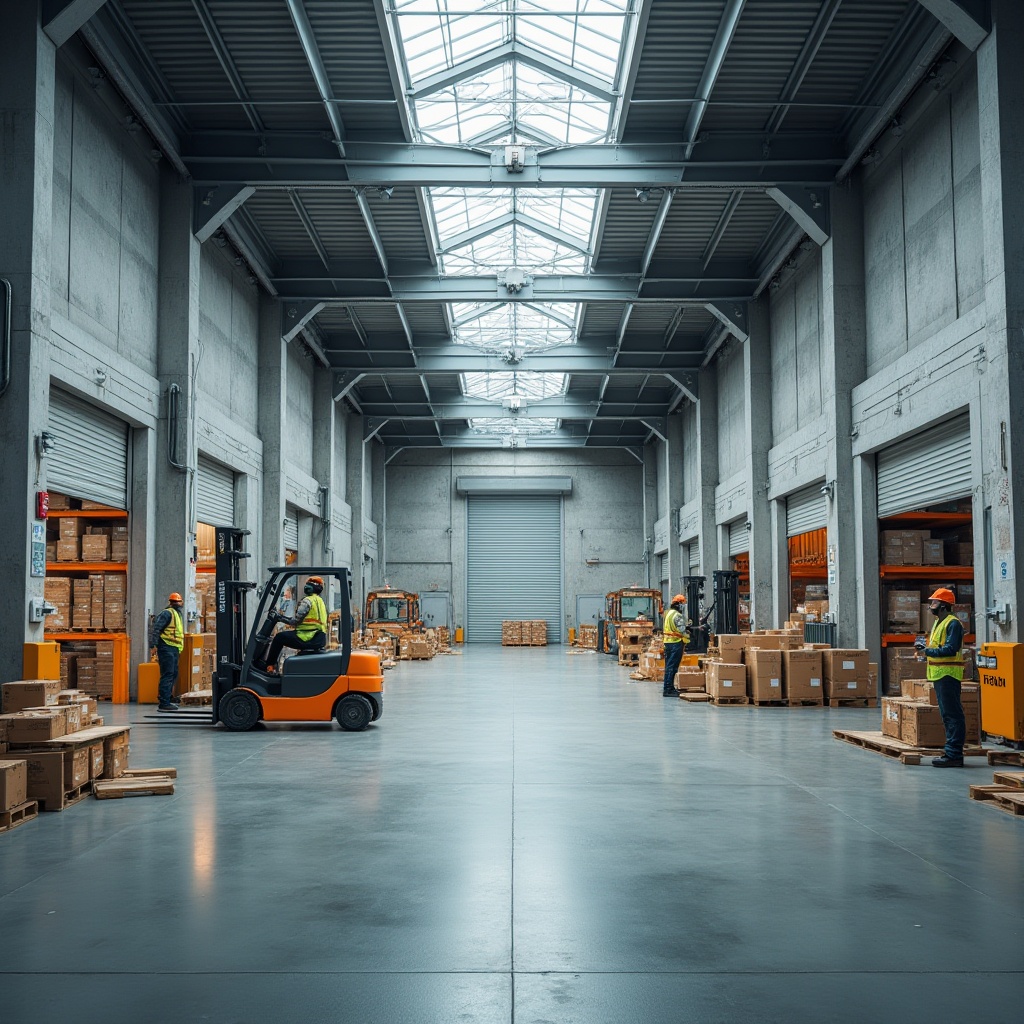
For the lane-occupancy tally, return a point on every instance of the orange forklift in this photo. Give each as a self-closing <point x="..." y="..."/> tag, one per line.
<point x="627" y="607"/>
<point x="312" y="686"/>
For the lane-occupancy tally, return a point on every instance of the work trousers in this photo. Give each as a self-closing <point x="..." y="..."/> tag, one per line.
<point x="947" y="690"/>
<point x="673" y="658"/>
<point x="167" y="658"/>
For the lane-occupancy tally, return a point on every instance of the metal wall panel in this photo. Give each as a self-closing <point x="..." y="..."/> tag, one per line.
<point x="806" y="510"/>
<point x="514" y="563"/>
<point x="90" y="454"/>
<point x="291" y="530"/>
<point x="926" y="469"/>
<point x="215" y="493"/>
<point x="693" y="557"/>
<point x="739" y="538"/>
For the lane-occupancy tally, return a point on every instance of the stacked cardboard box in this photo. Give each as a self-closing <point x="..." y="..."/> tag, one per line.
<point x="115" y="588"/>
<point x="414" y="646"/>
<point x="103" y="686"/>
<point x="29" y="693"/>
<point x="538" y="632"/>
<point x="845" y="674"/>
<point x="68" y="545"/>
<point x="57" y="591"/>
<point x="690" y="677"/>
<point x="764" y="674"/>
<point x="904" y="547"/>
<point x="511" y="633"/>
<point x="95" y="544"/>
<point x="119" y="542"/>
<point x="586" y="635"/>
<point x="801" y="672"/>
<point x="726" y="680"/>
<point x="903" y="611"/>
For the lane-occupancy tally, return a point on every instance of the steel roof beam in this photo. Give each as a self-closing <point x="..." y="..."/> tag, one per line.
<point x="739" y="161"/>
<point x="213" y="206"/>
<point x="311" y="231"/>
<point x="63" y="18"/>
<point x="809" y="208"/>
<point x="307" y="39"/>
<point x="479" y="409"/>
<point x="522" y="54"/>
<point x="969" y="20"/>
<point x="295" y="316"/>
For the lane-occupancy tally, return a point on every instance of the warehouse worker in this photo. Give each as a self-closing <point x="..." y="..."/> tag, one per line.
<point x="166" y="641"/>
<point x="310" y="620"/>
<point x="676" y="637"/>
<point x="944" y="653"/>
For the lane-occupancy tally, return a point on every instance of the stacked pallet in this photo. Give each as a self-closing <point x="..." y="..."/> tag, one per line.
<point x="415" y="647"/>
<point x="651" y="666"/>
<point x="633" y="638"/>
<point x="1006" y="792"/>
<point x="524" y="633"/>
<point x="56" y="751"/>
<point x="586" y="636"/>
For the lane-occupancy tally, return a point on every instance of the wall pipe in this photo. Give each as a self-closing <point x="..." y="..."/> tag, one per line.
<point x="5" y="352"/>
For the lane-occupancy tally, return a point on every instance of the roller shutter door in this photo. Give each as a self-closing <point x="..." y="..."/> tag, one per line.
<point x="927" y="469"/>
<point x="215" y="493"/>
<point x="694" y="558"/>
<point x="663" y="567"/>
<point x="514" y="563"/>
<point x="739" y="538"/>
<point x="805" y="511"/>
<point x="90" y="454"/>
<point x="291" y="530"/>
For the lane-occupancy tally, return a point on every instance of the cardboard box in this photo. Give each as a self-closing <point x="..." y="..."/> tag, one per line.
<point x="29" y="693"/>
<point x="731" y="647"/>
<point x="95" y="759"/>
<point x="891" y="716"/>
<point x="46" y="778"/>
<point x="68" y="528"/>
<point x="903" y="611"/>
<point x="801" y="673"/>
<point x="965" y="613"/>
<point x="95" y="547"/>
<point x="902" y="664"/>
<point x="29" y="727"/>
<point x="726" y="679"/>
<point x="873" y="678"/>
<point x="13" y="784"/>
<point x="115" y="755"/>
<point x="77" y="765"/>
<point x="845" y="673"/>
<point x="933" y="552"/>
<point x="67" y="550"/>
<point x="690" y="677"/>
<point x="965" y="554"/>
<point x="764" y="674"/>
<point x="921" y="725"/>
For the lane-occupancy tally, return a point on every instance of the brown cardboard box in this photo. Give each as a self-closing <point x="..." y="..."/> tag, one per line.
<point x="873" y="678"/>
<point x="13" y="784"/>
<point x="95" y="547"/>
<point x="764" y="674"/>
<point x="67" y="550"/>
<point x="892" y="554"/>
<point x="76" y="767"/>
<point x="891" y="716"/>
<point x="59" y="502"/>
<point x="29" y="693"/>
<point x="731" y="647"/>
<point x="921" y="725"/>
<point x="115" y="755"/>
<point x="801" y="671"/>
<point x="965" y="554"/>
<point x="726" y="679"/>
<point x="690" y="677"/>
<point x="902" y="664"/>
<point x="913" y="545"/>
<point x="95" y="759"/>
<point x="845" y="673"/>
<point x="903" y="611"/>
<point x="46" y="778"/>
<point x="37" y="726"/>
<point x="933" y="552"/>
<point x="68" y="528"/>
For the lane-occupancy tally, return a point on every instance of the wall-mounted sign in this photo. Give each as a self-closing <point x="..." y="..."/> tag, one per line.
<point x="38" y="549"/>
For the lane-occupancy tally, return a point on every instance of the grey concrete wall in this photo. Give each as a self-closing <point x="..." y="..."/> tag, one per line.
<point x="603" y="518"/>
<point x="105" y="226"/>
<point x="922" y="227"/>
<point x="228" y="336"/>
<point x="796" y="348"/>
<point x="691" y="464"/>
<point x="298" y="431"/>
<point x="731" y="414"/>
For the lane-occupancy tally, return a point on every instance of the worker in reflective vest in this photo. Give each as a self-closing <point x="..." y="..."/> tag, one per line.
<point x="310" y="621"/>
<point x="675" y="636"/>
<point x="167" y="638"/>
<point x="944" y="653"/>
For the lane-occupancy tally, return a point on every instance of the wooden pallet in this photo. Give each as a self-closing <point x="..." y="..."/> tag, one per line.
<point x="724" y="701"/>
<point x="132" y="773"/>
<point x="1015" y="780"/>
<point x="694" y="696"/>
<point x="196" y="698"/>
<point x="905" y="753"/>
<point x="1015" y="757"/>
<point x="853" y="702"/>
<point x="133" y="785"/>
<point x="16" y="816"/>
<point x="805" y="702"/>
<point x="1006" y="798"/>
<point x="781" y="703"/>
<point x="71" y="796"/>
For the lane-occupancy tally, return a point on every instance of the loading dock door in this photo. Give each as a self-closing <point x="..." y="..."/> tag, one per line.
<point x="514" y="563"/>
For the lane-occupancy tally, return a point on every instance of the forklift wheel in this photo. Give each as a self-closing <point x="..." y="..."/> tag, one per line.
<point x="239" y="710"/>
<point x="354" y="713"/>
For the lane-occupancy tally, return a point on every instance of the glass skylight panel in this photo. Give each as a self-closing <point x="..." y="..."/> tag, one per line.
<point x="515" y="425"/>
<point x="520" y="325"/>
<point x="506" y="383"/>
<point x="438" y="34"/>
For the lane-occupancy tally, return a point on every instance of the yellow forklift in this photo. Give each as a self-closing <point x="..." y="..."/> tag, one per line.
<point x="626" y="608"/>
<point x="394" y="611"/>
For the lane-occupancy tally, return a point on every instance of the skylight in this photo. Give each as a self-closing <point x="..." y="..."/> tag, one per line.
<point x="494" y="72"/>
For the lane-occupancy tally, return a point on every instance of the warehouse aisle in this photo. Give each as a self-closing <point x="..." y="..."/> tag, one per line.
<point x="527" y="836"/>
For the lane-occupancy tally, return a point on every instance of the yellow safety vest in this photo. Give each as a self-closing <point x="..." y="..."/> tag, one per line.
<point x="939" y="667"/>
<point x="315" y="620"/>
<point x="670" y="632"/>
<point x="173" y="633"/>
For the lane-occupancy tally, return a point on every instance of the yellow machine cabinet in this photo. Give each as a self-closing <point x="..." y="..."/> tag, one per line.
<point x="1001" y="674"/>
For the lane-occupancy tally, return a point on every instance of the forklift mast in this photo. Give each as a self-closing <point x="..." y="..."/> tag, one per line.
<point x="693" y="588"/>
<point x="231" y="611"/>
<point x="727" y="601"/>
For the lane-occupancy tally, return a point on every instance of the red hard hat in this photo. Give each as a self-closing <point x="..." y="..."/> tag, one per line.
<point x="943" y="595"/>
<point x="174" y="597"/>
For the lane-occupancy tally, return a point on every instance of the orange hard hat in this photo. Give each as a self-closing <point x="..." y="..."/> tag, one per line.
<point x="174" y="597"/>
<point x="315" y="579"/>
<point x="943" y="595"/>
<point x="678" y="599"/>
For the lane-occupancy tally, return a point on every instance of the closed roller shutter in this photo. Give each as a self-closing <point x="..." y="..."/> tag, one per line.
<point x="739" y="538"/>
<point x="694" y="558"/>
<point x="215" y="493"/>
<point x="663" y="567"/>
<point x="514" y="563"/>
<point x="291" y="530"/>
<point x="805" y="511"/>
<point x="90" y="454"/>
<point x="930" y="468"/>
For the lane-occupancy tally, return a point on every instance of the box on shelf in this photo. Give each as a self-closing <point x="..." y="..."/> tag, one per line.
<point x="964" y="553"/>
<point x="724" y="679"/>
<point x="68" y="550"/>
<point x="801" y="670"/>
<point x="903" y="611"/>
<point x="933" y="552"/>
<point x="903" y="664"/>
<point x="95" y="547"/>
<point x="764" y="674"/>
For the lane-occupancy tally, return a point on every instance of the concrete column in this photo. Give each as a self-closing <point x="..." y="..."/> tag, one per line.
<point x="674" y="479"/>
<point x="1001" y="127"/>
<point x="780" y="561"/>
<point x="757" y="397"/>
<point x="843" y="366"/>
<point x="377" y="513"/>
<point x="651" y="513"/>
<point x="26" y="173"/>
<point x="272" y="384"/>
<point x="355" y="489"/>
<point x="707" y="472"/>
<point x="865" y="562"/>
<point x="171" y="505"/>
<point x="323" y="457"/>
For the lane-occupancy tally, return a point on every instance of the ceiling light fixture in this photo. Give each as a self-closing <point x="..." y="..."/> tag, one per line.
<point x="385" y="192"/>
<point x="643" y="194"/>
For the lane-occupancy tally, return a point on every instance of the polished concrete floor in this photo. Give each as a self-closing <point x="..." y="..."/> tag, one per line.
<point x="526" y="836"/>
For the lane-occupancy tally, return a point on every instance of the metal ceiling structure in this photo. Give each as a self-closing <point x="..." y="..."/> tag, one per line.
<point x="514" y="222"/>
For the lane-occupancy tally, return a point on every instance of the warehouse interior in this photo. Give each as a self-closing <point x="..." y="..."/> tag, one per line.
<point x="512" y="307"/>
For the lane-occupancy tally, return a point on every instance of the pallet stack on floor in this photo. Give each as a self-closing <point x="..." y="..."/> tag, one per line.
<point x="775" y="668"/>
<point x="524" y="633"/>
<point x="651" y="666"/>
<point x="633" y="638"/>
<point x="586" y="636"/>
<point x="55" y="750"/>
<point x="914" y="717"/>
